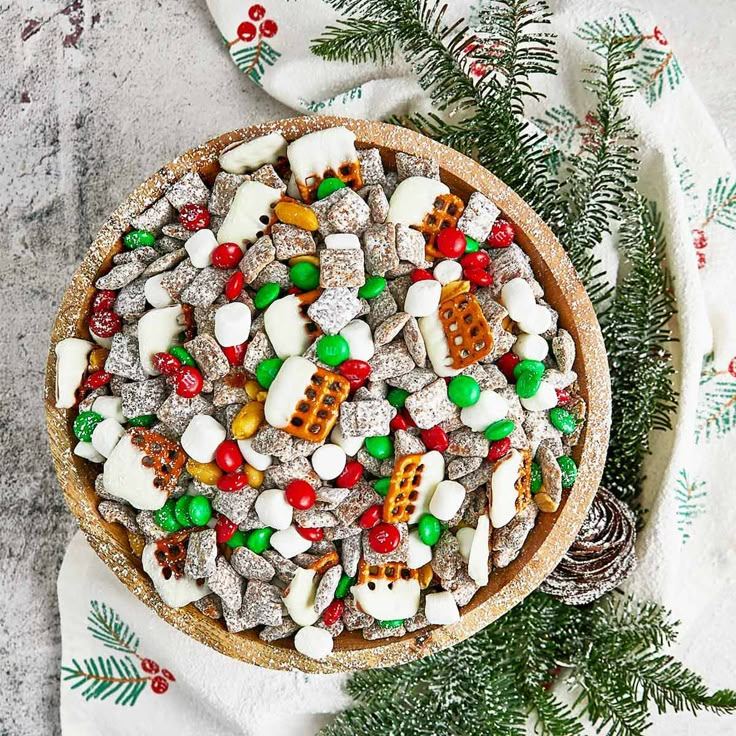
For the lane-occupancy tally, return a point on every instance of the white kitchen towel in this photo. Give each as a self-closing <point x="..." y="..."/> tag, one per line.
<point x="687" y="550"/>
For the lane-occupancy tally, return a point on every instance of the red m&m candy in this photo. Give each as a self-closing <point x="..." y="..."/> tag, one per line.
<point x="166" y="363"/>
<point x="194" y="217"/>
<point x="228" y="456"/>
<point x="435" y="438"/>
<point x="97" y="380"/>
<point x="498" y="449"/>
<point x="224" y="529"/>
<point x="478" y="276"/>
<point x="235" y="354"/>
<point x="350" y="475"/>
<point x="235" y="285"/>
<point x="356" y="371"/>
<point x="479" y="259"/>
<point x="370" y="517"/>
<point x="189" y="381"/>
<point x="451" y="242"/>
<point x="502" y="234"/>
<point x="313" y="534"/>
<point x="421" y="274"/>
<point x="506" y="364"/>
<point x="333" y="613"/>
<point x="226" y="255"/>
<point x="104" y="300"/>
<point x="233" y="481"/>
<point x="384" y="538"/>
<point x="300" y="494"/>
<point x="105" y="323"/>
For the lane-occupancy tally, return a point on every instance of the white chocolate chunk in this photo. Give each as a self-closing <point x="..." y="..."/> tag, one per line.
<point x="401" y="600"/>
<point x="316" y="152"/>
<point x="447" y="499"/>
<point x="418" y="553"/>
<point x="329" y="461"/>
<point x="106" y="436"/>
<point x="432" y="475"/>
<point x="299" y="596"/>
<point x="423" y="298"/>
<point x="313" y="642"/>
<point x="251" y="155"/>
<point x="110" y="407"/>
<point x="413" y="199"/>
<point x="490" y="408"/>
<point x="340" y="241"/>
<point x="360" y="340"/>
<point x="287" y="390"/>
<point x="289" y="543"/>
<point x="536" y="320"/>
<point x="158" y="330"/>
<point x="71" y="363"/>
<point x="447" y="271"/>
<point x="88" y="452"/>
<point x="273" y="509"/>
<point x="202" y="437"/>
<point x="350" y="445"/>
<point x="465" y="541"/>
<point x="503" y="489"/>
<point x="232" y="324"/>
<point x="441" y="609"/>
<point x="155" y="294"/>
<point x="438" y="351"/>
<point x="200" y="247"/>
<point x="243" y="222"/>
<point x="255" y="459"/>
<point x="285" y="327"/>
<point x="175" y="592"/>
<point x="544" y="399"/>
<point x="530" y="347"/>
<point x="125" y="476"/>
<point x="478" y="556"/>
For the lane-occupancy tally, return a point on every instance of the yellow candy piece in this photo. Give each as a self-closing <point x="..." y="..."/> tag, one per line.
<point x="425" y="575"/>
<point x="97" y="359"/>
<point x="314" y="260"/>
<point x="207" y="473"/>
<point x="453" y="289"/>
<point x="292" y="213"/>
<point x="247" y="420"/>
<point x="252" y="388"/>
<point x="255" y="477"/>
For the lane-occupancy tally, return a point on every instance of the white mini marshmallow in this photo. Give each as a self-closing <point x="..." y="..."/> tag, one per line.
<point x="106" y="435"/>
<point x="273" y="509"/>
<point x="490" y="408"/>
<point x="447" y="271"/>
<point x="518" y="298"/>
<point x="465" y="541"/>
<point x="536" y="320"/>
<point x="423" y="298"/>
<point x="441" y="609"/>
<point x="241" y="158"/>
<point x="232" y="324"/>
<point x="418" y="553"/>
<point x="351" y="445"/>
<point x="544" y="399"/>
<point x="71" y="364"/>
<point x="202" y="437"/>
<point x="289" y="543"/>
<point x="300" y="595"/>
<point x="200" y="247"/>
<point x="155" y="294"/>
<point x="313" y="642"/>
<point x="110" y="407"/>
<point x="447" y="499"/>
<point x="88" y="452"/>
<point x="360" y="340"/>
<point x="158" y="330"/>
<point x="530" y="347"/>
<point x="338" y="241"/>
<point x="329" y="461"/>
<point x="256" y="460"/>
<point x="478" y="557"/>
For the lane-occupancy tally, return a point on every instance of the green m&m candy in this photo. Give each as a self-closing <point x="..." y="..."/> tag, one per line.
<point x="527" y="384"/>
<point x="237" y="540"/>
<point x="84" y="425"/>
<point x="164" y="517"/>
<point x="392" y="624"/>
<point x="524" y="366"/>
<point x="379" y="447"/>
<point x="397" y="397"/>
<point x="267" y="370"/>
<point x="463" y="391"/>
<point x="266" y="295"/>
<point x="381" y="486"/>
<point x="498" y="430"/>
<point x="182" y="355"/>
<point x="144" y="420"/>
<point x="333" y="349"/>
<point x="329" y="186"/>
<point x="569" y="470"/>
<point x="429" y="529"/>
<point x="343" y="587"/>
<point x="563" y="420"/>
<point x="259" y="539"/>
<point x="138" y="239"/>
<point x="304" y="276"/>
<point x="536" y="477"/>
<point x="181" y="510"/>
<point x="372" y="287"/>
<point x="471" y="245"/>
<point x="200" y="510"/>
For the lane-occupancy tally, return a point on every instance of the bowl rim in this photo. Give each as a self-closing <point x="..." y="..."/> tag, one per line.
<point x="547" y="255"/>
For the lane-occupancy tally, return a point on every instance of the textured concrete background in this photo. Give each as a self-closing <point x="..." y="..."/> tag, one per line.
<point x="97" y="94"/>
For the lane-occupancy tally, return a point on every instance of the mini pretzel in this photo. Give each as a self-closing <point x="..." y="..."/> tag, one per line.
<point x="468" y="335"/>
<point x="445" y="213"/>
<point x="316" y="413"/>
<point x="171" y="554"/>
<point x="523" y="483"/>
<point x="324" y="563"/>
<point x="348" y="173"/>
<point x="402" y="490"/>
<point x="167" y="458"/>
<point x="390" y="571"/>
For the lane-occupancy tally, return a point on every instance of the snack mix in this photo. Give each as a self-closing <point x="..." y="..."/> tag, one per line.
<point x="322" y="394"/>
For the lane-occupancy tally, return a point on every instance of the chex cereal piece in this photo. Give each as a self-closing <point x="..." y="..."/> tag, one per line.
<point x="228" y="390"/>
<point x="165" y="244"/>
<point x="143" y="397"/>
<point x="177" y="280"/>
<point x="291" y="241"/>
<point x="388" y="330"/>
<point x="121" y="275"/>
<point x="446" y="558"/>
<point x="165" y="262"/>
<point x="508" y="540"/>
<point x="149" y="528"/>
<point x="370" y="464"/>
<point x="321" y="155"/>
<point x="371" y="166"/>
<point x="414" y="342"/>
<point x="238" y="619"/>
<point x="430" y="406"/>
<point x="462" y="587"/>
<point x="406" y="443"/>
<point x="578" y="409"/>
<point x="176" y="231"/>
<point x="538" y="428"/>
<point x="340" y="532"/>
<point x="414" y="380"/>
<point x="124" y="358"/>
<point x="466" y="443"/>
<point x="154" y="217"/>
<point x="122" y="513"/>
<point x="334" y="308"/>
<point x="548" y="497"/>
<point x="511" y="263"/>
<point x="275" y="272"/>
<point x="379" y="246"/>
<point x="390" y="361"/>
<point x="315" y="518"/>
<point x="210" y="605"/>
<point x="206" y="286"/>
<point x="462" y="466"/>
<point x="366" y="418"/>
<point x="350" y="557"/>
<point x="478" y="477"/>
<point x="272" y="441"/>
<point x="190" y="189"/>
<point x="223" y="192"/>
<point x="377" y="204"/>
<point x="227" y="584"/>
<point x="331" y="497"/>
<point x="201" y="554"/>
<point x="349" y="215"/>
<point x="236" y="505"/>
<point x="478" y="218"/>
<point x="177" y="411"/>
<point x="408" y="165"/>
<point x="269" y="176"/>
<point x="145" y="255"/>
<point x="279" y="476"/>
<point x="353" y="618"/>
<point x="326" y="588"/>
<point x="208" y="354"/>
<point x="361" y="497"/>
<point x="259" y="349"/>
<point x="287" y="627"/>
<point x="563" y="348"/>
<point x="410" y="245"/>
<point x="262" y="602"/>
<point x="341" y="268"/>
<point x="131" y="300"/>
<point x="256" y="258"/>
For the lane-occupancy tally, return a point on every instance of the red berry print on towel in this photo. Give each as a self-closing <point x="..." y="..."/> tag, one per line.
<point x="99" y="678"/>
<point x="258" y="53"/>
<point x="700" y="242"/>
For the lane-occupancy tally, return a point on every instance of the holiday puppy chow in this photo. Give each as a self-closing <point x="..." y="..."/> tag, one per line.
<point x="319" y="401"/>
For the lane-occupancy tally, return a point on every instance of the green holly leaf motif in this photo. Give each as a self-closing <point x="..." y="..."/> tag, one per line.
<point x="690" y="506"/>
<point x="253" y="60"/>
<point x="721" y="207"/>
<point x="717" y="406"/>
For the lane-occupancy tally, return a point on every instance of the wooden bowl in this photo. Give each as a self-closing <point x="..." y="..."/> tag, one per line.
<point x="552" y="534"/>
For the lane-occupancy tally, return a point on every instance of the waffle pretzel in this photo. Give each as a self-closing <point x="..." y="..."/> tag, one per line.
<point x="390" y="571"/>
<point x="316" y="413"/>
<point x="523" y="483"/>
<point x="402" y="490"/>
<point x="171" y="554"/>
<point x="468" y="335"/>
<point x="167" y="458"/>
<point x="348" y="173"/>
<point x="445" y="213"/>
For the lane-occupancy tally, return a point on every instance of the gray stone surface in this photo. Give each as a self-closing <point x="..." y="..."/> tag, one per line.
<point x="91" y="105"/>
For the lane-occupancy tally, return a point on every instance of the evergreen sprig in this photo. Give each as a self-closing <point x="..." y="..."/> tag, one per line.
<point x="103" y="677"/>
<point x="106" y="626"/>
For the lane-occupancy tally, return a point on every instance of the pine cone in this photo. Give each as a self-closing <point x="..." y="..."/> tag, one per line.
<point x="601" y="557"/>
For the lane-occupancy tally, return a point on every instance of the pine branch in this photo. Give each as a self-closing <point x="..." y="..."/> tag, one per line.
<point x="106" y="626"/>
<point x="103" y="677"/>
